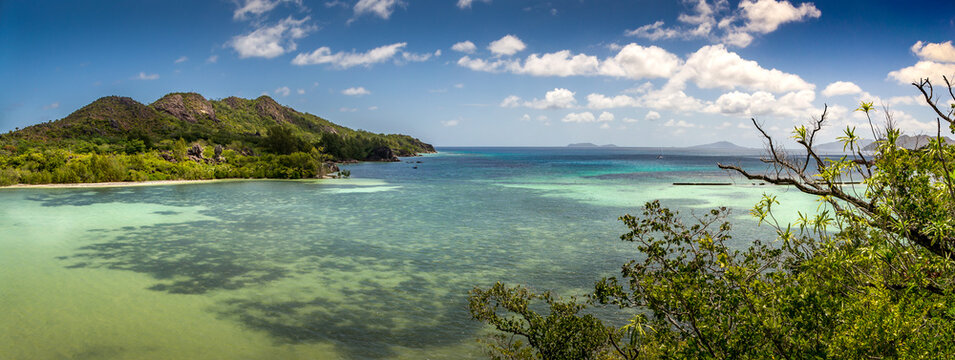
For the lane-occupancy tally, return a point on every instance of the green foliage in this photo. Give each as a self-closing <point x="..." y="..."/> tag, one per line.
<point x="561" y="334"/>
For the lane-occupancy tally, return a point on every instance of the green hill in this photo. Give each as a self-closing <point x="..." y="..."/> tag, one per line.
<point x="186" y="136"/>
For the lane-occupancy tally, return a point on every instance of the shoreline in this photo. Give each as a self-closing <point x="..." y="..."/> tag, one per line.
<point x="113" y="184"/>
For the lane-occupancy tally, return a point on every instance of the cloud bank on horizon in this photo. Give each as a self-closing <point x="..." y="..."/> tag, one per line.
<point x="495" y="73"/>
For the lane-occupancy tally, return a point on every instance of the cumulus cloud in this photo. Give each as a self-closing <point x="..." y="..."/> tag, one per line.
<point x="637" y="62"/>
<point x="258" y="7"/>
<point x="300" y="91"/>
<point x="347" y="109"/>
<point x="654" y="32"/>
<point x="600" y="101"/>
<point x="750" y="17"/>
<point x="796" y="104"/>
<point x="941" y="52"/>
<point x="380" y="8"/>
<point x="283" y="91"/>
<point x="181" y="59"/>
<point x="145" y="76"/>
<point x="466" y="47"/>
<point x="937" y="59"/>
<point x="841" y="88"/>
<point x="466" y="4"/>
<point x="679" y="124"/>
<point x="713" y="66"/>
<point x="507" y="45"/>
<point x="213" y="59"/>
<point x="923" y="69"/>
<point x="652" y="115"/>
<point x="558" y="98"/>
<point x="632" y="61"/>
<point x="605" y="117"/>
<point x="765" y="16"/>
<point x="271" y="41"/>
<point x="356" y="91"/>
<point x="583" y="117"/>
<point x="450" y="123"/>
<point x="343" y="60"/>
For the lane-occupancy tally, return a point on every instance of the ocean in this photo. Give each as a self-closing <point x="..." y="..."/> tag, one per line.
<point x="374" y="266"/>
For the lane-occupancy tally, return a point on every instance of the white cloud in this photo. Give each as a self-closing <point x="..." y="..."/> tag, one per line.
<point x="466" y="4"/>
<point x="347" y="109"/>
<point x="906" y="100"/>
<point x="794" y="105"/>
<point x="213" y="59"/>
<point x="558" y="64"/>
<point x="356" y="91"/>
<point x="605" y="126"/>
<point x="51" y="106"/>
<point x="599" y="101"/>
<point x="381" y="8"/>
<point x="412" y="57"/>
<point x="632" y="61"/>
<point x="258" y="7"/>
<point x="652" y="115"/>
<point x="765" y="16"/>
<point x="450" y="123"/>
<point x="713" y="66"/>
<point x="283" y="91"/>
<point x="511" y="101"/>
<point x="923" y="69"/>
<point x="584" y="117"/>
<point x="181" y="59"/>
<point x="458" y="86"/>
<point x="526" y="117"/>
<point x="637" y="62"/>
<point x="507" y="45"/>
<point x="940" y="52"/>
<point x="679" y="124"/>
<point x="372" y="108"/>
<point x="300" y="91"/>
<point x="654" y="32"/>
<point x="269" y="42"/>
<point x="751" y="17"/>
<point x="630" y="120"/>
<point x="841" y="88"/>
<point x="558" y="98"/>
<point x="343" y="60"/>
<point x="466" y="47"/>
<point x="605" y="117"/>
<point x="145" y="76"/>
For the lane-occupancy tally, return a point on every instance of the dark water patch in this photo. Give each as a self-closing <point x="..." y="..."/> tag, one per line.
<point x="185" y="258"/>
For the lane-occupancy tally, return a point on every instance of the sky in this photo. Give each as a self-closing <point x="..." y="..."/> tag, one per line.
<point x="493" y="72"/>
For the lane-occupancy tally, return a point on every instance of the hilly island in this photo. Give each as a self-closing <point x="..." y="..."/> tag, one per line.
<point x="184" y="136"/>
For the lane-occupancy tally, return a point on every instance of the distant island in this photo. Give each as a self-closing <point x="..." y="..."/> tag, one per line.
<point x="588" y="145"/>
<point x="184" y="136"/>
<point x="719" y="145"/>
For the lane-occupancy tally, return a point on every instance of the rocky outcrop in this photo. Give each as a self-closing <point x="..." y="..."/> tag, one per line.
<point x="267" y="107"/>
<point x="189" y="107"/>
<point x="382" y="153"/>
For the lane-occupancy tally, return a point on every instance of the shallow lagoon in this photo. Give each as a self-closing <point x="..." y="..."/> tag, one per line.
<point x="377" y="266"/>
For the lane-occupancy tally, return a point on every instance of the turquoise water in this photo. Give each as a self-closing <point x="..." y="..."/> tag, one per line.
<point x="377" y="266"/>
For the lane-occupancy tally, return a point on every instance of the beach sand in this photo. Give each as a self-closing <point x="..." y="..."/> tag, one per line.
<point x="112" y="184"/>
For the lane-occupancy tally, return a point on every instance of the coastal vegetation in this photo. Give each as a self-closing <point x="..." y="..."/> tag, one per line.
<point x="871" y="275"/>
<point x="185" y="136"/>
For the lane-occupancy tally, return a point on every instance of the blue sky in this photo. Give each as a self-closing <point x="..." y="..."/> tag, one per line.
<point x="490" y="72"/>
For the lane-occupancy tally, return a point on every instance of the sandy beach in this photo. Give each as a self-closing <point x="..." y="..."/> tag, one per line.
<point x="113" y="184"/>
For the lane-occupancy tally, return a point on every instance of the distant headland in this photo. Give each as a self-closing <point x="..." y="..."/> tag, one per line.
<point x="184" y="136"/>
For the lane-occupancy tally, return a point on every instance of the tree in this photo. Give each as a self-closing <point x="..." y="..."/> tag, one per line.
<point x="872" y="276"/>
